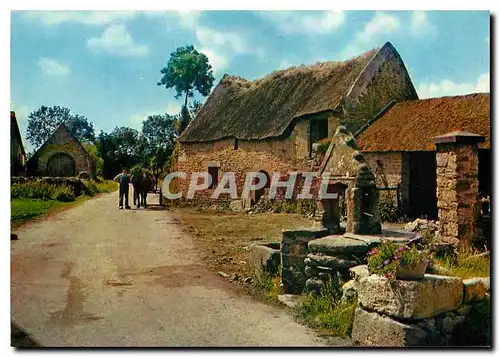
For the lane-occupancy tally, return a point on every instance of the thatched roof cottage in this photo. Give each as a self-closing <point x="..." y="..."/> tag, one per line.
<point x="270" y="124"/>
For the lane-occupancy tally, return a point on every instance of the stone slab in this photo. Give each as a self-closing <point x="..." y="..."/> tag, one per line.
<point x="375" y="330"/>
<point x="329" y="261"/>
<point x="290" y="300"/>
<point x="411" y="299"/>
<point x="338" y="245"/>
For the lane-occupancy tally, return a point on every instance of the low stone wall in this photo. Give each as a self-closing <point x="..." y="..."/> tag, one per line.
<point x="73" y="182"/>
<point x="265" y="257"/>
<point x="425" y="312"/>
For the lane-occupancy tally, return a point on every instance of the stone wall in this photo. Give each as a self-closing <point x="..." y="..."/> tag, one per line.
<point x="61" y="142"/>
<point x="426" y="312"/>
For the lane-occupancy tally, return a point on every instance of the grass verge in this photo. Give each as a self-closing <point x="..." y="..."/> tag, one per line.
<point x="326" y="313"/>
<point x="26" y="209"/>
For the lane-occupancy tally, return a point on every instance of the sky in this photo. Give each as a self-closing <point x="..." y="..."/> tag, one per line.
<point x="105" y="64"/>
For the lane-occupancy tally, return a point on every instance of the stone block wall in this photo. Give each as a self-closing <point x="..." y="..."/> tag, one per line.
<point x="426" y="312"/>
<point x="293" y="247"/>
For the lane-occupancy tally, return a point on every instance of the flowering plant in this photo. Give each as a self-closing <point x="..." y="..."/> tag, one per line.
<point x="386" y="259"/>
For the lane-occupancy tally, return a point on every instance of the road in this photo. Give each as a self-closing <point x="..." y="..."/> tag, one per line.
<point x="97" y="276"/>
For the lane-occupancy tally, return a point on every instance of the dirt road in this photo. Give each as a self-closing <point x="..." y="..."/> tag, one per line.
<point x="98" y="276"/>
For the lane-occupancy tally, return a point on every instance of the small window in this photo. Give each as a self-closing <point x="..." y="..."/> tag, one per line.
<point x="213" y="171"/>
<point x="235" y="144"/>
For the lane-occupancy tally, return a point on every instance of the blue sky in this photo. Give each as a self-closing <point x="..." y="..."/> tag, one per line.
<point x="105" y="64"/>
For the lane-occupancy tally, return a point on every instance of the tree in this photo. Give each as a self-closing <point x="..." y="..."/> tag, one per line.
<point x="159" y="133"/>
<point x="119" y="149"/>
<point x="195" y="107"/>
<point x="44" y="121"/>
<point x="187" y="70"/>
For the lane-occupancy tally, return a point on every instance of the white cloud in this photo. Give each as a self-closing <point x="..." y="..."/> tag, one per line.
<point x="420" y="25"/>
<point x="211" y="37"/>
<point x="117" y="40"/>
<point x="93" y="18"/>
<point x="380" y="24"/>
<point x="219" y="62"/>
<point x="284" y="64"/>
<point x="449" y="88"/>
<point x="53" y="67"/>
<point x="290" y="22"/>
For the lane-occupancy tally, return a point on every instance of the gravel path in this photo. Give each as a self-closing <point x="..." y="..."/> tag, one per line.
<point x="98" y="276"/>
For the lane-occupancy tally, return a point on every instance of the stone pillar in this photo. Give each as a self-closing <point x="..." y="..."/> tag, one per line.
<point x="457" y="186"/>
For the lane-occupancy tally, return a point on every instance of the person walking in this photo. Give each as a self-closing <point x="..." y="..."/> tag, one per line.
<point x="124" y="180"/>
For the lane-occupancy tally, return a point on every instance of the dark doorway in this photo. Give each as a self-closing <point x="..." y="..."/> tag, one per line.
<point x="61" y="165"/>
<point x="485" y="174"/>
<point x="423" y="198"/>
<point x="260" y="192"/>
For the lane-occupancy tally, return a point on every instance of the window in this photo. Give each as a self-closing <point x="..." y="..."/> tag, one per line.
<point x="318" y="129"/>
<point x="213" y="172"/>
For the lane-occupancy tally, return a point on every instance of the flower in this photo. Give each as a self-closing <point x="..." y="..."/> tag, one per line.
<point x="386" y="261"/>
<point x="372" y="252"/>
<point x="396" y="257"/>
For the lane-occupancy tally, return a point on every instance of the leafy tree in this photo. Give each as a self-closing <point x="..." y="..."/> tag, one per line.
<point x="93" y="150"/>
<point x="187" y="70"/>
<point x="44" y="121"/>
<point x="118" y="149"/>
<point x="159" y="133"/>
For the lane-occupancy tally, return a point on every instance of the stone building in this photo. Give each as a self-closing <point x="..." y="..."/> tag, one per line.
<point x="270" y="124"/>
<point x="17" y="152"/>
<point x="62" y="155"/>
<point x="401" y="152"/>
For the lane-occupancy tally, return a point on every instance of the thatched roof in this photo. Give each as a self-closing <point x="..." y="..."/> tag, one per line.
<point x="266" y="107"/>
<point x="412" y="125"/>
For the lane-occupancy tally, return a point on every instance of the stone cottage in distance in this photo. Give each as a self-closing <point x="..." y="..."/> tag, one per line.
<point x="17" y="151"/>
<point x="271" y="124"/>
<point x="62" y="155"/>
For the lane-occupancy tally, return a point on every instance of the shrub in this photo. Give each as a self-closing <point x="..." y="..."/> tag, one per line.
<point x="34" y="189"/>
<point x="90" y="188"/>
<point x="306" y="206"/>
<point x="266" y="285"/>
<point x="64" y="194"/>
<point x="387" y="208"/>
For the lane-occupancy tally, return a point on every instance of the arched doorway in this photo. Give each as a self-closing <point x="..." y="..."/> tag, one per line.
<point x="257" y="194"/>
<point x="61" y="165"/>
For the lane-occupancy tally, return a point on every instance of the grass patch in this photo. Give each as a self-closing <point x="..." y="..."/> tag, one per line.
<point x="224" y="238"/>
<point x="327" y="313"/>
<point x="106" y="186"/>
<point x="266" y="285"/>
<point x="466" y="265"/>
<point x="25" y="209"/>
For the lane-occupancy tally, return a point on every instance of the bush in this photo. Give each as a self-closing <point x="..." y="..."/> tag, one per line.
<point x="64" y="194"/>
<point x="34" y="189"/>
<point x="328" y="312"/>
<point x="90" y="188"/>
<point x="387" y="208"/>
<point x="342" y="207"/>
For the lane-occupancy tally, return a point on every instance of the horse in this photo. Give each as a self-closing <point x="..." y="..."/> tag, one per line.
<point x="142" y="183"/>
